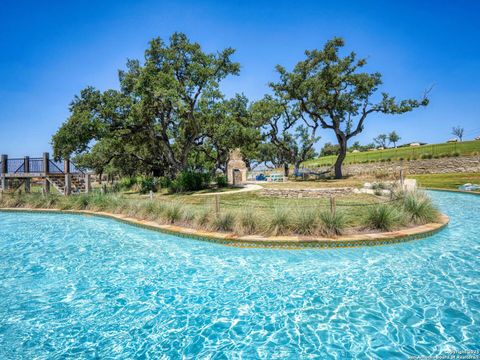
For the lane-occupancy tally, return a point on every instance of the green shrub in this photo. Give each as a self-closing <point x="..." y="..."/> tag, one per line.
<point x="189" y="181"/>
<point x="164" y="182"/>
<point x="203" y="218"/>
<point x="173" y="213"/>
<point x="146" y="184"/>
<point x="419" y="208"/>
<point x="221" y="181"/>
<point x="332" y="223"/>
<point x="379" y="186"/>
<point x="426" y="156"/>
<point x="225" y="221"/>
<point x="279" y="222"/>
<point x="306" y="222"/>
<point x="152" y="209"/>
<point x="248" y="222"/>
<point x="100" y="202"/>
<point x="188" y="216"/>
<point x="78" y="202"/>
<point x="383" y="217"/>
<point x="125" y="183"/>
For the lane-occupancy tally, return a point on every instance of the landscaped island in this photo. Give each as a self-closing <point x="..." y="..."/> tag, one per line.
<point x="257" y="213"/>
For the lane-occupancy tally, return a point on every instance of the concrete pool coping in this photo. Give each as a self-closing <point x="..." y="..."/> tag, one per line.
<point x="259" y="241"/>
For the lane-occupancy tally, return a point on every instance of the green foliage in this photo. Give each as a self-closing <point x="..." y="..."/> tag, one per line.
<point x="289" y="136"/>
<point x="189" y="181"/>
<point x="279" y="222"/>
<point x="125" y="183"/>
<point x="146" y="184"/>
<point x="188" y="216"/>
<point x="393" y="138"/>
<point x="168" y="114"/>
<point x="224" y="222"/>
<point x="221" y="181"/>
<point x="383" y="217"/>
<point x="419" y="208"/>
<point x="306" y="222"/>
<point x="381" y="140"/>
<point x="152" y="210"/>
<point x="330" y="149"/>
<point x="173" y="213"/>
<point x="203" y="218"/>
<point x="249" y="221"/>
<point x="332" y="224"/>
<point x="465" y="148"/>
<point x="334" y="93"/>
<point x="379" y="186"/>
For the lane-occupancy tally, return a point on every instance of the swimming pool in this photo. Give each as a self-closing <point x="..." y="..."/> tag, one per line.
<point x="86" y="287"/>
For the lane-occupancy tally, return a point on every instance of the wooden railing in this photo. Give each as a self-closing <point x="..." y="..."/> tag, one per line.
<point x="43" y="165"/>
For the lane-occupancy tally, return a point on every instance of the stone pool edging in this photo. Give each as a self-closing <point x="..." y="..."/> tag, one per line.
<point x="258" y="241"/>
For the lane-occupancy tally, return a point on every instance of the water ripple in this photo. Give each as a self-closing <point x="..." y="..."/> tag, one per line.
<point x="85" y="287"/>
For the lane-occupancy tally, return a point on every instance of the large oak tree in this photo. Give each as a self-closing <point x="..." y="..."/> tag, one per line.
<point x="165" y="113"/>
<point x="334" y="92"/>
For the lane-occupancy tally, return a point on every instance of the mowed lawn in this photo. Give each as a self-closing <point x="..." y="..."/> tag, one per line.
<point x="403" y="153"/>
<point x="446" y="181"/>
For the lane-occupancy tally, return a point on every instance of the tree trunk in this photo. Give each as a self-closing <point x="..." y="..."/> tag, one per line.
<point x="285" y="170"/>
<point x="296" y="169"/>
<point x="341" y="156"/>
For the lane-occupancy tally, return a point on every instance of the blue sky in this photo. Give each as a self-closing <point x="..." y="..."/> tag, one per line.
<point x="50" y="50"/>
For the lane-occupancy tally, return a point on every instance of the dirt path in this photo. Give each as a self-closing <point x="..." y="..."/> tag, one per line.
<point x="246" y="188"/>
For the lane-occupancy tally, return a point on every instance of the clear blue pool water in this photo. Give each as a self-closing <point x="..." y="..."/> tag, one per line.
<point x="85" y="287"/>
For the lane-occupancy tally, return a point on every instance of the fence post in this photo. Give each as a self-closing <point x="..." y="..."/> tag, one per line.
<point x="26" y="170"/>
<point x="401" y="179"/>
<point x="88" y="185"/>
<point x="4" y="171"/>
<point x="66" y="166"/>
<point x="4" y="164"/>
<point x="68" y="184"/>
<point x="333" y="205"/>
<point x="46" y="170"/>
<point x="217" y="204"/>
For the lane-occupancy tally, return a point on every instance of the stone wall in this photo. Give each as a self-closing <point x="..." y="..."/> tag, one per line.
<point x="463" y="164"/>
<point x="306" y="193"/>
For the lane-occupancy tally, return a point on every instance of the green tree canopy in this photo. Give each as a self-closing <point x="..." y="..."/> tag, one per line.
<point x="381" y="140"/>
<point x="393" y="138"/>
<point x="289" y="135"/>
<point x="334" y="92"/>
<point x="168" y="113"/>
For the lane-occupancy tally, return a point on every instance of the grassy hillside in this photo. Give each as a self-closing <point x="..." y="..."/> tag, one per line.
<point x="404" y="153"/>
<point x="446" y="181"/>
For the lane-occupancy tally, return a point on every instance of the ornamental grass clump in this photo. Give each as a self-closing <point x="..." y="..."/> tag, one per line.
<point x="152" y="210"/>
<point x="188" y="216"/>
<point x="383" y="217"/>
<point x="419" y="208"/>
<point x="248" y="222"/>
<point x="306" y="222"/>
<point x="203" y="218"/>
<point x="173" y="213"/>
<point x="332" y="223"/>
<point x="99" y="202"/>
<point x="12" y="201"/>
<point x="224" y="221"/>
<point x="279" y="222"/>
